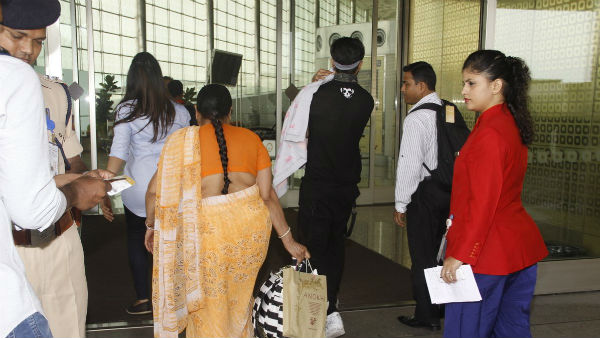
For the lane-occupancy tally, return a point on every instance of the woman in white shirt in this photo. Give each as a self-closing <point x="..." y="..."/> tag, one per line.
<point x="145" y="117"/>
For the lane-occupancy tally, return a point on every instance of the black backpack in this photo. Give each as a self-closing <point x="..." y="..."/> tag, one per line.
<point x="450" y="138"/>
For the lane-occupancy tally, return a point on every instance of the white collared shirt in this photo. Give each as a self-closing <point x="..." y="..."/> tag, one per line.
<point x="418" y="146"/>
<point x="28" y="195"/>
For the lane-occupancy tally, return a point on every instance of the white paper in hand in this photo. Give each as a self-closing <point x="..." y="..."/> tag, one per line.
<point x="119" y="183"/>
<point x="463" y="290"/>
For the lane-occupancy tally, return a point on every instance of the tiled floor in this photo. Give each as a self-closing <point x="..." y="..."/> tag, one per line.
<point x="376" y="230"/>
<point x="565" y="315"/>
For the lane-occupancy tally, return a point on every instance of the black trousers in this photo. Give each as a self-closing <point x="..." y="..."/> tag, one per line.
<point x="139" y="258"/>
<point x="322" y="219"/>
<point x="425" y="216"/>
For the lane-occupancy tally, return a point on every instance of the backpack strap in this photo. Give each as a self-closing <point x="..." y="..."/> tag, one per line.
<point x="431" y="106"/>
<point x="427" y="168"/>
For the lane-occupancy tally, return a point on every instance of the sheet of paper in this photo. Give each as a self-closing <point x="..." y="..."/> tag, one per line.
<point x="119" y="183"/>
<point x="463" y="290"/>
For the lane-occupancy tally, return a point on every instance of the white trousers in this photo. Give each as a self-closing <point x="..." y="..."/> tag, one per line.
<point x="57" y="274"/>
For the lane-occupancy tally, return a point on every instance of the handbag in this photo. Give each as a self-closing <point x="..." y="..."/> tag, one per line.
<point x="267" y="312"/>
<point x="304" y="302"/>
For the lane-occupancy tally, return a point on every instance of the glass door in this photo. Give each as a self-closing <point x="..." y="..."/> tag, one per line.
<point x="64" y="56"/>
<point x="314" y="26"/>
<point x="561" y="186"/>
<point x="176" y="32"/>
<point x="386" y="91"/>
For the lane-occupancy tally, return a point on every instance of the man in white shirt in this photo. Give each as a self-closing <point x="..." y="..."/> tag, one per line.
<point x="28" y="194"/>
<point x="53" y="259"/>
<point x="415" y="202"/>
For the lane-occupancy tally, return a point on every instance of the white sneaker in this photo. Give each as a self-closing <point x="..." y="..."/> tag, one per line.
<point x="335" y="326"/>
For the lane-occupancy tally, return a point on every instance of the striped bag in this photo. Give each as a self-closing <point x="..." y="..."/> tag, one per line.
<point x="267" y="312"/>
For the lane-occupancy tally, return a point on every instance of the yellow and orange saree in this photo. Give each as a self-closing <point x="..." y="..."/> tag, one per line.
<point x="207" y="252"/>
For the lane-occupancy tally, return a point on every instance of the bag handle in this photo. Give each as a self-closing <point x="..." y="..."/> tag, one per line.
<point x="306" y="264"/>
<point x="352" y="221"/>
<point x="442" y="250"/>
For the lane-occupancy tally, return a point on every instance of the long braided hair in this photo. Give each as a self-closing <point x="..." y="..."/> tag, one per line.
<point x="214" y="103"/>
<point x="514" y="72"/>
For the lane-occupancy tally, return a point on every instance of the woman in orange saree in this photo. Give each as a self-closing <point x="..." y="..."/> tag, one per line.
<point x="210" y="210"/>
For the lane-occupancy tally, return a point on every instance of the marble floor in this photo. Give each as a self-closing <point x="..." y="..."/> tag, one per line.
<point x="564" y="315"/>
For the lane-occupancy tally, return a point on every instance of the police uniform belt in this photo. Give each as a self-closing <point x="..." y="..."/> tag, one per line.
<point x="36" y="238"/>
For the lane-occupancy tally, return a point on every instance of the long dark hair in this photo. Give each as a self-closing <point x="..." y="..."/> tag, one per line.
<point x="514" y="72"/>
<point x="214" y="104"/>
<point x="145" y="85"/>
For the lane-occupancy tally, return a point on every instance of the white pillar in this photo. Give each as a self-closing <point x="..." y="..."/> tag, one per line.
<point x="91" y="83"/>
<point x="52" y="52"/>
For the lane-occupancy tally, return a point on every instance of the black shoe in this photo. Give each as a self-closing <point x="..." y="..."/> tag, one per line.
<point x="413" y="322"/>
<point x="140" y="309"/>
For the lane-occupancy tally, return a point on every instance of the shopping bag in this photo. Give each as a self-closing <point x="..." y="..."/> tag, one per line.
<point x="304" y="303"/>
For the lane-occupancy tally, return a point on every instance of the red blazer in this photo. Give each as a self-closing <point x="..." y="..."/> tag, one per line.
<point x="491" y="230"/>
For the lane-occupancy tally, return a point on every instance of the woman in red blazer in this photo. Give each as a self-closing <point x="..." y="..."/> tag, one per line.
<point x="490" y="229"/>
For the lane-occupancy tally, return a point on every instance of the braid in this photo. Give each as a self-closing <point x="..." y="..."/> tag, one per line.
<point x="214" y="104"/>
<point x="218" y="125"/>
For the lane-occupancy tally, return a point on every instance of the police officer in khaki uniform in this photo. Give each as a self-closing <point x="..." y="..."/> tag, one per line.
<point x="53" y="258"/>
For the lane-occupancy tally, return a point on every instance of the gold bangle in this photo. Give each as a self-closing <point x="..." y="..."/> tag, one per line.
<point x="285" y="234"/>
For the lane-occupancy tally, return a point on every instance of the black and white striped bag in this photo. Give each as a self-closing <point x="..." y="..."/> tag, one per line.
<point x="267" y="312"/>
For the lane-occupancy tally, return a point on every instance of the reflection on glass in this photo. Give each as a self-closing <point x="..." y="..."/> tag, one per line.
<point x="384" y="116"/>
<point x="445" y="43"/>
<point x="559" y="42"/>
<point x="311" y="49"/>
<point x="375" y="230"/>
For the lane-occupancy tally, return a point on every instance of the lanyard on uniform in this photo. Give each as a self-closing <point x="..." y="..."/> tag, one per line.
<point x="50" y="126"/>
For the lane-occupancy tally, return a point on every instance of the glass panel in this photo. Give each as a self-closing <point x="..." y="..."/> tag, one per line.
<point x="563" y="177"/>
<point x="235" y="32"/>
<point x="384" y="116"/>
<point x="262" y="117"/>
<point x="115" y="63"/>
<point x="444" y="33"/>
<point x="305" y="45"/>
<point x="375" y="229"/>
<point x="327" y="13"/>
<point x="66" y="43"/>
<point x="176" y="36"/>
<point x="311" y="52"/>
<point x="345" y="12"/>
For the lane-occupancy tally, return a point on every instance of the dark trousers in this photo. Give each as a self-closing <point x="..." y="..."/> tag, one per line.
<point x="425" y="217"/>
<point x="502" y="312"/>
<point x="322" y="218"/>
<point x="138" y="255"/>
